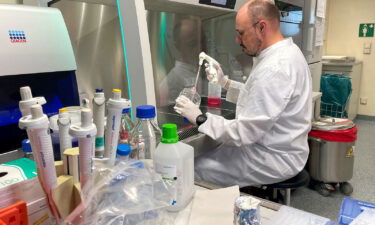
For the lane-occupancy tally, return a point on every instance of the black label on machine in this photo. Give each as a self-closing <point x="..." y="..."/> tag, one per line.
<point x="229" y="4"/>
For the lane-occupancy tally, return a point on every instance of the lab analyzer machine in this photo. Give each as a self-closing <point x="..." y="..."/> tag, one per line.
<point x="36" y="52"/>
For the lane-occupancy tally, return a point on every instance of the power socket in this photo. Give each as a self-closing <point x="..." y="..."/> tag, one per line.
<point x="363" y="101"/>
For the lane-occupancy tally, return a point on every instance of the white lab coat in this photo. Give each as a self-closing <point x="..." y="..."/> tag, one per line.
<point x="267" y="141"/>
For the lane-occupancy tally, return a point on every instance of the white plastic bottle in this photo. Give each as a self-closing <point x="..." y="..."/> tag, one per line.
<point x="174" y="160"/>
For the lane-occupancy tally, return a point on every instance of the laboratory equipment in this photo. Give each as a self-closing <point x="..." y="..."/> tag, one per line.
<point x="115" y="105"/>
<point x="174" y="160"/>
<point x="123" y="152"/>
<point x="214" y="89"/>
<point x="145" y="134"/>
<point x="26" y="149"/>
<point x="55" y="80"/>
<point x="99" y="114"/>
<point x="27" y="100"/>
<point x="85" y="132"/>
<point x="351" y="69"/>
<point x="191" y="94"/>
<point x="37" y="126"/>
<point x="126" y="127"/>
<point x="351" y="208"/>
<point x="64" y="137"/>
<point x="331" y="160"/>
<point x="246" y="211"/>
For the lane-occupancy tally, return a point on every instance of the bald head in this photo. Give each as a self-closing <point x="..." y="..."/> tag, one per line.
<point x="258" y="26"/>
<point x="261" y="9"/>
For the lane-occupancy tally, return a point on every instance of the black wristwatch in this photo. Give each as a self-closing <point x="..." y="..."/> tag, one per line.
<point x="201" y="119"/>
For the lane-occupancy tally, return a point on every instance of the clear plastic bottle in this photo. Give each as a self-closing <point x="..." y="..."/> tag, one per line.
<point x="123" y="152"/>
<point x="174" y="160"/>
<point x="126" y="127"/>
<point x="146" y="133"/>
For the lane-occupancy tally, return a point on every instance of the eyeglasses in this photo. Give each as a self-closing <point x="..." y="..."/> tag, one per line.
<point x="255" y="23"/>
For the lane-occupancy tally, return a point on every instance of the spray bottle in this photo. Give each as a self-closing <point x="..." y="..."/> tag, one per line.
<point x="115" y="105"/>
<point x="99" y="113"/>
<point x="85" y="133"/>
<point x="214" y="89"/>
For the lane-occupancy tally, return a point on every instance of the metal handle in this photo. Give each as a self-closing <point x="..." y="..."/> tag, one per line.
<point x="316" y="139"/>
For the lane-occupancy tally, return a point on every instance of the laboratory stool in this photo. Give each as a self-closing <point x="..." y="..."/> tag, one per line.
<point x="300" y="180"/>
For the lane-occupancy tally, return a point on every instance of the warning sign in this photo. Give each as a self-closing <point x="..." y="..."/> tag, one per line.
<point x="366" y="30"/>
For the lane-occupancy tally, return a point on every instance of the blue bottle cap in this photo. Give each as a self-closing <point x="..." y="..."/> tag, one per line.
<point x="98" y="90"/>
<point x="146" y="111"/>
<point x="123" y="149"/>
<point x="125" y="110"/>
<point x="26" y="146"/>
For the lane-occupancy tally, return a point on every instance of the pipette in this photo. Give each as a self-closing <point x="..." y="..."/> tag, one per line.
<point x="65" y="140"/>
<point x="99" y="113"/>
<point x="85" y="132"/>
<point x="211" y="69"/>
<point x="115" y="105"/>
<point x="27" y="100"/>
<point x="37" y="126"/>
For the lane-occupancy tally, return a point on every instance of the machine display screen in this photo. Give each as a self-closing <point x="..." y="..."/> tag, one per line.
<point x="220" y="3"/>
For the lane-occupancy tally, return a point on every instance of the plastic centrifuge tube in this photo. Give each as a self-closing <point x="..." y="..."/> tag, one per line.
<point x="64" y="123"/>
<point x="115" y="105"/>
<point x="37" y="126"/>
<point x="85" y="133"/>
<point x="99" y="113"/>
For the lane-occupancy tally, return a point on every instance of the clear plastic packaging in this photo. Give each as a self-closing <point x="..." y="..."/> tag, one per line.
<point x="146" y="133"/>
<point x="126" y="127"/>
<point x="127" y="194"/>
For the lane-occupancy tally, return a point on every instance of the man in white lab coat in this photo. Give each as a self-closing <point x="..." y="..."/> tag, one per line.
<point x="267" y="141"/>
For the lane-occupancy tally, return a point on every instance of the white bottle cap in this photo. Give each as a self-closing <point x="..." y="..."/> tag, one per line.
<point x="116" y="94"/>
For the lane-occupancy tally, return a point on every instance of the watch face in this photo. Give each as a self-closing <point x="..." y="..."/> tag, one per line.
<point x="201" y="119"/>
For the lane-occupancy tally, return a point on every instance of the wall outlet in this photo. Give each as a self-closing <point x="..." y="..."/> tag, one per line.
<point x="367" y="47"/>
<point x="363" y="101"/>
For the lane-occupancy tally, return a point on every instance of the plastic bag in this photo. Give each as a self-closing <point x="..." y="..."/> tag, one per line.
<point x="127" y="194"/>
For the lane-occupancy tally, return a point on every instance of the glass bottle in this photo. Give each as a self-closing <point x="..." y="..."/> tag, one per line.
<point x="146" y="133"/>
<point x="126" y="127"/>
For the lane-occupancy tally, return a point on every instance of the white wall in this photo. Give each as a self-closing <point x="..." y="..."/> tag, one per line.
<point x="344" y="17"/>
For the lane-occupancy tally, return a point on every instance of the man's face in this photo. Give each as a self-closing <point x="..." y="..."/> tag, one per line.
<point x="248" y="35"/>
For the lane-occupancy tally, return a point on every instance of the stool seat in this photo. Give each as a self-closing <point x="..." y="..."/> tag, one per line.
<point x="301" y="179"/>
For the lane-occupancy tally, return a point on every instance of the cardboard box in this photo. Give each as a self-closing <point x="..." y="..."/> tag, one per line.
<point x="19" y="182"/>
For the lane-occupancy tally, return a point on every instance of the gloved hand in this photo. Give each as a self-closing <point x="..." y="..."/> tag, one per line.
<point x="186" y="108"/>
<point x="221" y="78"/>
